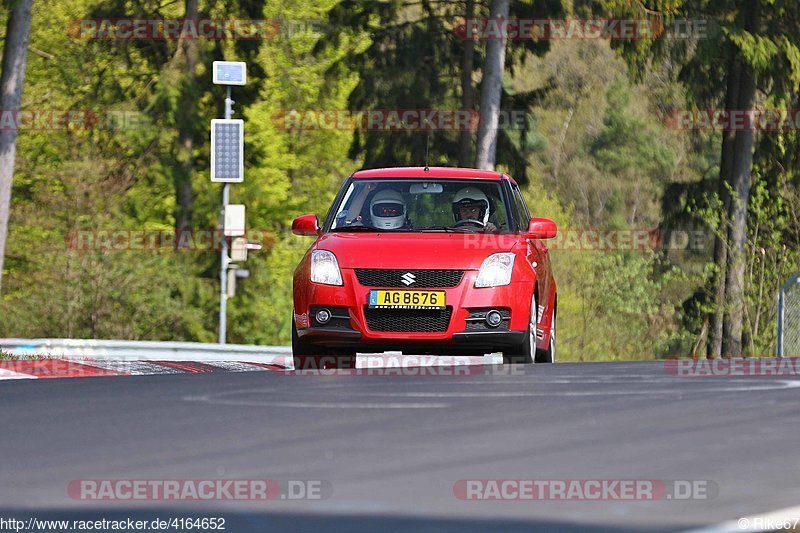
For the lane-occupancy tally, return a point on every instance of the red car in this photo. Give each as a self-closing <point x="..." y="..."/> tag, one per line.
<point x="426" y="261"/>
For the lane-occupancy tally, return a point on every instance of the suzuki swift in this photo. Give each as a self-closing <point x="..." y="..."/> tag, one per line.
<point x="425" y="261"/>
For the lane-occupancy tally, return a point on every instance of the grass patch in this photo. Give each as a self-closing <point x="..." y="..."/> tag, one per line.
<point x="5" y="356"/>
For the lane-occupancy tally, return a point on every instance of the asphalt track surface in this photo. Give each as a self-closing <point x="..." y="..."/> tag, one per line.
<point x="392" y="447"/>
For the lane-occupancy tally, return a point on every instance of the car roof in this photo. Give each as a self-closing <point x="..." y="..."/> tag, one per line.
<point x="432" y="172"/>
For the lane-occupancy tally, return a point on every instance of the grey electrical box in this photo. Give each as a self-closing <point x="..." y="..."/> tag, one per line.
<point x="239" y="249"/>
<point x="231" y="292"/>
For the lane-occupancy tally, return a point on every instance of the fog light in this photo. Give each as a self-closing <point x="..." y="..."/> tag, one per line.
<point x="322" y="316"/>
<point x="493" y="319"/>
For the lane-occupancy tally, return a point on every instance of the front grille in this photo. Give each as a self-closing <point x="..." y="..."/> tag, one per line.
<point x="422" y="279"/>
<point x="408" y="320"/>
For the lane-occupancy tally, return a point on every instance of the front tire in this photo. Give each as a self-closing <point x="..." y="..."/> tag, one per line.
<point x="525" y="353"/>
<point x="549" y="355"/>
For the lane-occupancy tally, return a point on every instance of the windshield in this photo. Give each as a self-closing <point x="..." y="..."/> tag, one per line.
<point x="421" y="205"/>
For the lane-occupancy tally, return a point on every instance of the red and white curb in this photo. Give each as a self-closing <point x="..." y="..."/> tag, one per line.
<point x="67" y="368"/>
<point x="94" y="367"/>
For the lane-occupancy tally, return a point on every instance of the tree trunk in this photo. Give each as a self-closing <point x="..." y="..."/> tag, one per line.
<point x="561" y="140"/>
<point x="491" y="90"/>
<point x="740" y="182"/>
<point x="714" y="347"/>
<point x="467" y="67"/>
<point x="12" y="76"/>
<point x="185" y="118"/>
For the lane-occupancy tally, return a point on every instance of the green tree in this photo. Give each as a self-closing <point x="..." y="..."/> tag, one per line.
<point x="416" y="50"/>
<point x="755" y="47"/>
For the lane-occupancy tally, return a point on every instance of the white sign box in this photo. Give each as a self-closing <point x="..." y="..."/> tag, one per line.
<point x="234" y="220"/>
<point x="229" y="73"/>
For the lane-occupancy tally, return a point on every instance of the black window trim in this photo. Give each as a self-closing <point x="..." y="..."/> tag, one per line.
<point x="329" y="217"/>
<point x="511" y="206"/>
<point x="520" y="200"/>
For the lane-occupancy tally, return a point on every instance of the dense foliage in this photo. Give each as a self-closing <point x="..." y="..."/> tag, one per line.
<point x="594" y="152"/>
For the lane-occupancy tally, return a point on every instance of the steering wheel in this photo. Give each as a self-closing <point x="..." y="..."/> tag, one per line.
<point x="477" y="223"/>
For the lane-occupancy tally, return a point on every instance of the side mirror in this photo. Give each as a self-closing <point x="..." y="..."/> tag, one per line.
<point x="306" y="225"/>
<point x="541" y="228"/>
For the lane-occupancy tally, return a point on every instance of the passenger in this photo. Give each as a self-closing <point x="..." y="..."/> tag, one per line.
<point x="388" y="210"/>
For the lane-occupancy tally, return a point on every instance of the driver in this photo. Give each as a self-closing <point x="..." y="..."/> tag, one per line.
<point x="471" y="204"/>
<point x="388" y="210"/>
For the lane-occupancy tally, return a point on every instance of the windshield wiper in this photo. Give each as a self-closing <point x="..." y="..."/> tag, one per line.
<point x="356" y="228"/>
<point x="446" y="229"/>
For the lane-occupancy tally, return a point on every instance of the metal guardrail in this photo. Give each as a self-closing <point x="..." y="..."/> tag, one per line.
<point x="144" y="350"/>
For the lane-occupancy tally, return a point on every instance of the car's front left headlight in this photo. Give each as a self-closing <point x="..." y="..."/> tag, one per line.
<point x="496" y="270"/>
<point x="325" y="268"/>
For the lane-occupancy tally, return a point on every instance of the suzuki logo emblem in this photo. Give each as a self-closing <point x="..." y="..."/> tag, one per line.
<point x="408" y="278"/>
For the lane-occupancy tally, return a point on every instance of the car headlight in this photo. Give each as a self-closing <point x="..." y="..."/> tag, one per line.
<point x="325" y="268"/>
<point x="496" y="270"/>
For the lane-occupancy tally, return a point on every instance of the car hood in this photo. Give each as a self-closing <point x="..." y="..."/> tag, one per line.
<point x="415" y="250"/>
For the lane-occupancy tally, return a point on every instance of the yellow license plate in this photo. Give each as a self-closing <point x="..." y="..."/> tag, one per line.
<point x="406" y="299"/>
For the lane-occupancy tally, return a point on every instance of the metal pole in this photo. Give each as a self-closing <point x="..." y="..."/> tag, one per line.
<point x="223" y="270"/>
<point x="781" y="302"/>
<point x="224" y="259"/>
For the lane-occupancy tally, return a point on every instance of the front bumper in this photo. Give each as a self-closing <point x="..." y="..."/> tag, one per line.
<point x="463" y="332"/>
<point x="467" y="342"/>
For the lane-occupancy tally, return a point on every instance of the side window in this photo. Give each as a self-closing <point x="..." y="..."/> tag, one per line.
<point x="353" y="204"/>
<point x="522" y="214"/>
<point x="500" y="215"/>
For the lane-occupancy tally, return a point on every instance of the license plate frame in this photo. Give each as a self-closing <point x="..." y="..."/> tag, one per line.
<point x="405" y="299"/>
